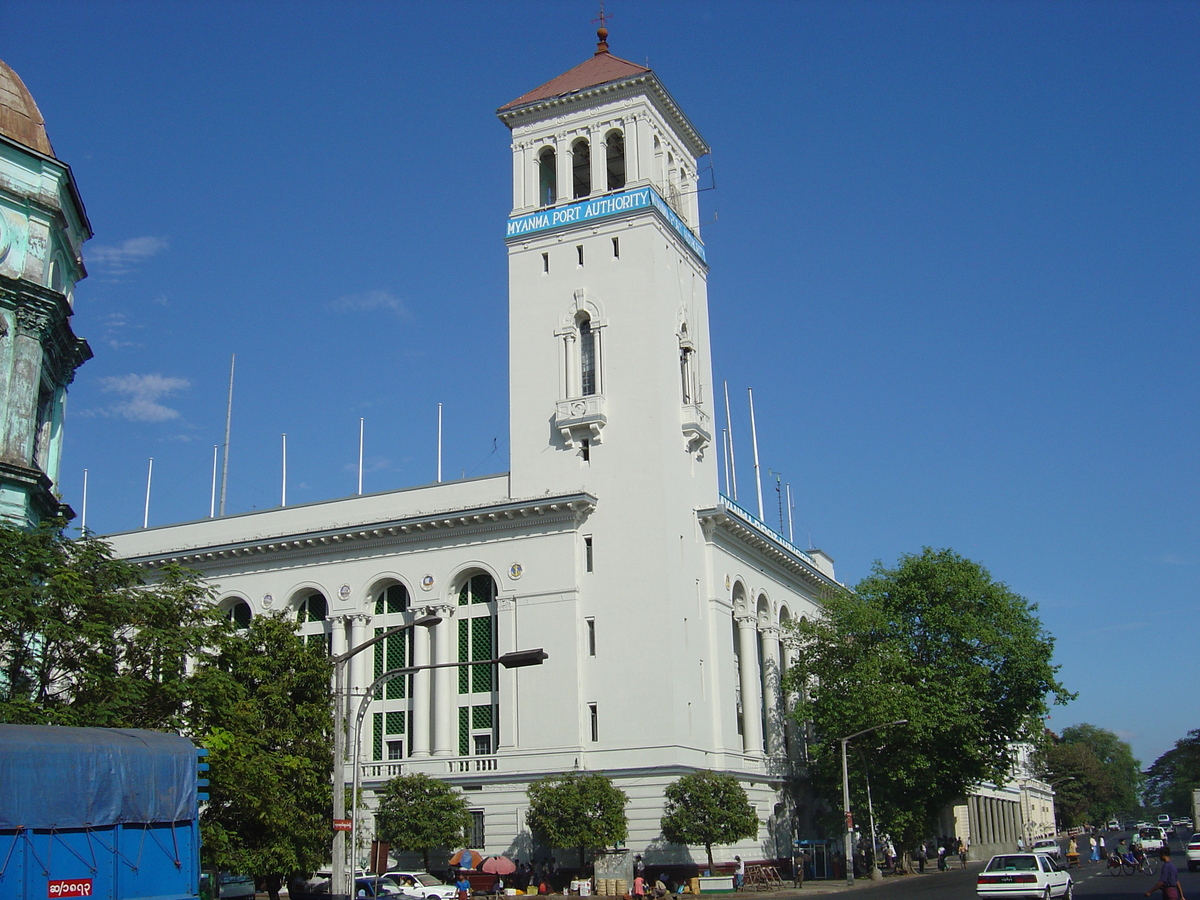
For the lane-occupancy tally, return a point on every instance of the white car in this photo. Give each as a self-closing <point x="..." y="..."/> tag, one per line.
<point x="1152" y="838"/>
<point x="1193" y="853"/>
<point x="1048" y="846"/>
<point x="1034" y="876"/>
<point x="422" y="884"/>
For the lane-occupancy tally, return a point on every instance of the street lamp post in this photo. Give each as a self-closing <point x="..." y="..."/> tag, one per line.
<point x="339" y="883"/>
<point x="516" y="659"/>
<point x="849" y="848"/>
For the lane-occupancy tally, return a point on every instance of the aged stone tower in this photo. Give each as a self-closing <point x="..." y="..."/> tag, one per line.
<point x="43" y="226"/>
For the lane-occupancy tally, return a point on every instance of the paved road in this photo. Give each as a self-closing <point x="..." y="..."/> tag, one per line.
<point x="1091" y="881"/>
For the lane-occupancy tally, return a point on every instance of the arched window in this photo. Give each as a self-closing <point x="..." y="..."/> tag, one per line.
<point x="547" y="177"/>
<point x="57" y="278"/>
<point x="311" y="612"/>
<point x="239" y="613"/>
<point x="477" y="685"/>
<point x="390" y="732"/>
<point x="581" y="168"/>
<point x="587" y="356"/>
<point x="312" y="608"/>
<point x="392" y="599"/>
<point x="614" y="153"/>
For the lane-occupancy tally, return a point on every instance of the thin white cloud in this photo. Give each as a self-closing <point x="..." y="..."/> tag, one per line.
<point x="369" y="301"/>
<point x="121" y="259"/>
<point x="141" y="395"/>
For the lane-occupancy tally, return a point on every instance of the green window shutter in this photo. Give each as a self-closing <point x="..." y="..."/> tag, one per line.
<point x="481" y="648"/>
<point x="464" y="648"/>
<point x="377" y="736"/>
<point x="481" y="716"/>
<point x="464" y="731"/>
<point x="395" y="722"/>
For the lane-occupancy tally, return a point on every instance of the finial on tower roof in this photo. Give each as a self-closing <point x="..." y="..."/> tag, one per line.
<point x="601" y="32"/>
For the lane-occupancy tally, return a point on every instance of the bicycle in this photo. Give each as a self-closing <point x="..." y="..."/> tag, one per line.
<point x="1148" y="865"/>
<point x="1119" y="865"/>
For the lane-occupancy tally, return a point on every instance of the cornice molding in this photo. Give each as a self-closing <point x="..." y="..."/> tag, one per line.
<point x="733" y="526"/>
<point x="376" y="536"/>
<point x="650" y="85"/>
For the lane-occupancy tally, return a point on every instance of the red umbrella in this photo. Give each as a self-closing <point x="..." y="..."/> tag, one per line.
<point x="499" y="865"/>
<point x="466" y="859"/>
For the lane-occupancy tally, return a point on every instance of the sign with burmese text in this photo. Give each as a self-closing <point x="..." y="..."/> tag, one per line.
<point x="600" y="208"/>
<point x="69" y="887"/>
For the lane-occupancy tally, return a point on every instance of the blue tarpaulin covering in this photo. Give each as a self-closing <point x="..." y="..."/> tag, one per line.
<point x="54" y="777"/>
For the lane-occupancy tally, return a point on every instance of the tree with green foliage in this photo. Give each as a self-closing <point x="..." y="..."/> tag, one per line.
<point x="937" y="641"/>
<point x="1084" y="790"/>
<point x="1124" y="773"/>
<point x="1172" y="777"/>
<point x="417" y="814"/>
<point x="265" y="717"/>
<point x="707" y="808"/>
<point x="86" y="641"/>
<point x="577" y="810"/>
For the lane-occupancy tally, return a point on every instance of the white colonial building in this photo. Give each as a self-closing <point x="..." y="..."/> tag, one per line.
<point x="660" y="603"/>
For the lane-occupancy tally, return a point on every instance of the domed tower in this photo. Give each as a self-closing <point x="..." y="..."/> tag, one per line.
<point x="43" y="226"/>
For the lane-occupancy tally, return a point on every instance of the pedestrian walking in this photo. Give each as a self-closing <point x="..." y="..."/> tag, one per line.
<point x="1095" y="857"/>
<point x="922" y="855"/>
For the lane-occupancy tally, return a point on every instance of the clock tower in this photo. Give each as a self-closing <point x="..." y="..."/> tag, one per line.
<point x="610" y="384"/>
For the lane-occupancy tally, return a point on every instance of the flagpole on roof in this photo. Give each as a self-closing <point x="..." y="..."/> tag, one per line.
<point x="228" y="419"/>
<point x="360" y="454"/>
<point x="83" y="515"/>
<point x="439" y="445"/>
<point x="149" y="475"/>
<point x="283" y="497"/>
<point x="732" y="457"/>
<point x="754" y="440"/>
<point x="212" y="500"/>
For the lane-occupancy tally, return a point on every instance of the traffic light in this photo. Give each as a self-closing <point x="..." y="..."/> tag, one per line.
<point x="201" y="771"/>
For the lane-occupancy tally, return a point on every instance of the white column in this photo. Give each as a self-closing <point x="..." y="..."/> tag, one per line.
<point x="599" y="163"/>
<point x="562" y="159"/>
<point x="771" y="686"/>
<point x="787" y="648"/>
<point x="421" y="695"/>
<point x="520" y="165"/>
<point x="337" y="646"/>
<point x="752" y="739"/>
<point x="359" y="664"/>
<point x="444" y="714"/>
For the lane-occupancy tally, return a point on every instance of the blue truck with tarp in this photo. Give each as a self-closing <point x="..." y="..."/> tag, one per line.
<point x="100" y="813"/>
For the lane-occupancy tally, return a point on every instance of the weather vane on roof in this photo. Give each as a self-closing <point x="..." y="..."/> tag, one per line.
<point x="602" y="31"/>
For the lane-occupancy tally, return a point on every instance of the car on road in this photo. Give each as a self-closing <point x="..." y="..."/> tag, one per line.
<point x="1034" y="876"/>
<point x="422" y="884"/>
<point x="1193" y="853"/>
<point x="1114" y="825"/>
<point x="1152" y="838"/>
<point x="1163" y="820"/>
<point x="1132" y="826"/>
<point x="1048" y="846"/>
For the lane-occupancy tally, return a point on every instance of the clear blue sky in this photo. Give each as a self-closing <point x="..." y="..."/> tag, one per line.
<point x="954" y="247"/>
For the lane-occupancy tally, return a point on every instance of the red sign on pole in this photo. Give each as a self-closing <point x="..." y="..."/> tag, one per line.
<point x="69" y="887"/>
<point x="341" y="824"/>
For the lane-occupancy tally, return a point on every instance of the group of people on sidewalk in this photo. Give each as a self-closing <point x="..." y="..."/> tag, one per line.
<point x="944" y="849"/>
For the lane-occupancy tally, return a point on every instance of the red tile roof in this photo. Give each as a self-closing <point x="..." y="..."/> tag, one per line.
<point x="602" y="68"/>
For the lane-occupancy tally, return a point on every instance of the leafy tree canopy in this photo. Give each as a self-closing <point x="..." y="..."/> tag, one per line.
<point x="1085" y="792"/>
<point x="1172" y="777"/>
<point x="937" y="641"/>
<point x="707" y="808"/>
<point x="419" y="813"/>
<point x="85" y="641"/>
<point x="577" y="810"/>
<point x="1116" y="756"/>
<point x="265" y="717"/>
